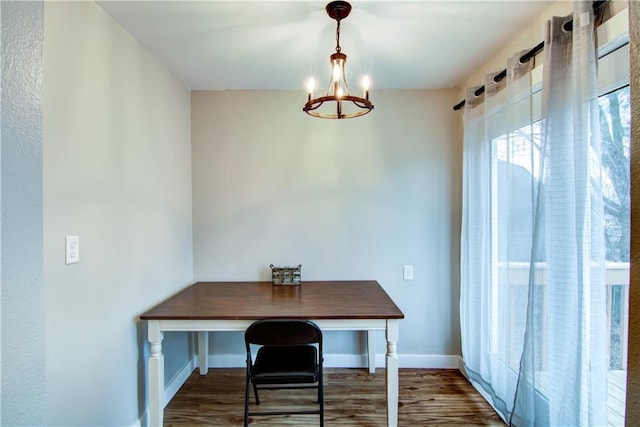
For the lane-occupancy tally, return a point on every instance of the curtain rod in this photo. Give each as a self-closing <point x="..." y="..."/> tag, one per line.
<point x="524" y="58"/>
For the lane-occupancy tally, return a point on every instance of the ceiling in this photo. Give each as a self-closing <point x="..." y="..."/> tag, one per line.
<point x="217" y="45"/>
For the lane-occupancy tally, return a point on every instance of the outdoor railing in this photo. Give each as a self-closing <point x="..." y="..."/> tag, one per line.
<point x="617" y="281"/>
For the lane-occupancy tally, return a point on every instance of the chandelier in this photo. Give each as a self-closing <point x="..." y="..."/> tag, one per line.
<point x="337" y="101"/>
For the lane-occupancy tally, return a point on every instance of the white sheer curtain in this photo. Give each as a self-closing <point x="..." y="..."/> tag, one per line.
<point x="562" y="379"/>
<point x="500" y="155"/>
<point x="533" y="314"/>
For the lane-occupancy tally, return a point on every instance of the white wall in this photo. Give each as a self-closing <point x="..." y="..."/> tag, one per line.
<point x="116" y="172"/>
<point x="23" y="387"/>
<point x="349" y="199"/>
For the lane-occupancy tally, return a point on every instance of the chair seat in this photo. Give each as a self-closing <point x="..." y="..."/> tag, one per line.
<point x="285" y="365"/>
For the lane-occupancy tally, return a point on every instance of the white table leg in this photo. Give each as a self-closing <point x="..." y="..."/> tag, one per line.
<point x="156" y="375"/>
<point x="203" y="352"/>
<point x="392" y="373"/>
<point x="371" y="350"/>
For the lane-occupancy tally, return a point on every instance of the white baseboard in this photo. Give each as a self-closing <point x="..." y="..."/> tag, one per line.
<point x="424" y="361"/>
<point x="415" y="361"/>
<point x="179" y="379"/>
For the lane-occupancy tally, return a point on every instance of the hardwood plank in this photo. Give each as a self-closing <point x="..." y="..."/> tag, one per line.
<point x="353" y="397"/>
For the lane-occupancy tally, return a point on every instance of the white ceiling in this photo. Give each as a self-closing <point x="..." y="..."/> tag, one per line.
<point x="215" y="45"/>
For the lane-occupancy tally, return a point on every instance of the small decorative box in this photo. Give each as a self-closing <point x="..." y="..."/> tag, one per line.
<point x="285" y="275"/>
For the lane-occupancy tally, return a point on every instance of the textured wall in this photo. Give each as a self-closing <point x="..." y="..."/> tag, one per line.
<point x="633" y="373"/>
<point x="23" y="368"/>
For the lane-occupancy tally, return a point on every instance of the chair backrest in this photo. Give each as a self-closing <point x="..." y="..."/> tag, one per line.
<point x="283" y="332"/>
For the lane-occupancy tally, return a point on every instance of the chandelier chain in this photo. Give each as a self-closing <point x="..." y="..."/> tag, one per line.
<point x="338" y="48"/>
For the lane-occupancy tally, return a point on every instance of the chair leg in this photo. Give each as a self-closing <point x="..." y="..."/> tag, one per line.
<point x="246" y="393"/>
<point x="255" y="392"/>
<point x="246" y="403"/>
<point x="321" y="401"/>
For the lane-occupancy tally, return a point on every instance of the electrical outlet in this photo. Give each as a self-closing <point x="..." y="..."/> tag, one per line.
<point x="408" y="272"/>
<point x="72" y="251"/>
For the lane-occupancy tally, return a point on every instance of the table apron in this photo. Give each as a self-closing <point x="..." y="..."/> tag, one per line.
<point x="170" y="325"/>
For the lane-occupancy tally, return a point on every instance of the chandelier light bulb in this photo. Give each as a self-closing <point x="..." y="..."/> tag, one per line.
<point x="366" y="83"/>
<point x="311" y="85"/>
<point x="337" y="72"/>
<point x="339" y="92"/>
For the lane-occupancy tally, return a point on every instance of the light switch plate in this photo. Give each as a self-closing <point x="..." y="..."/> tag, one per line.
<point x="72" y="251"/>
<point x="408" y="272"/>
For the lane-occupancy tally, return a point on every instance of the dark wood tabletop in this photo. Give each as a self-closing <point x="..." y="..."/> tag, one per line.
<point x="262" y="300"/>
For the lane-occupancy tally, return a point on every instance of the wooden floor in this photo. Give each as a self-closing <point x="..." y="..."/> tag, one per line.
<point x="353" y="397"/>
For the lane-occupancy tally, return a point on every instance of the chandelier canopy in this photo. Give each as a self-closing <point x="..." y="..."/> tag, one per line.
<point x="338" y="102"/>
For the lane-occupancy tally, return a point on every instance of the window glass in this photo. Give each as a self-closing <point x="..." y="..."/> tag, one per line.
<point x="615" y="118"/>
<point x="515" y="174"/>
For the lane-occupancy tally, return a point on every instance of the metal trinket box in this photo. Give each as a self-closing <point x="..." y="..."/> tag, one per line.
<point x="285" y="275"/>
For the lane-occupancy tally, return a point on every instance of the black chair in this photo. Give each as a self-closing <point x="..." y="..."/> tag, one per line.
<point x="289" y="357"/>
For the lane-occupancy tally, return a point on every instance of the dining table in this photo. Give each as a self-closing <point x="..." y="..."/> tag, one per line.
<point x="336" y="305"/>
